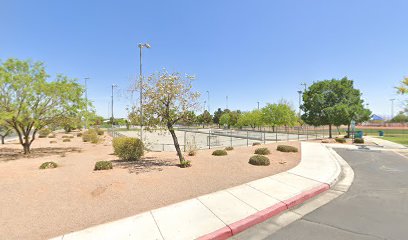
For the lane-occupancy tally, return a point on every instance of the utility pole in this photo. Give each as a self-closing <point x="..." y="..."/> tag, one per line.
<point x="304" y="84"/>
<point x="300" y="94"/>
<point x="258" y="104"/>
<point x="113" y="86"/>
<point x="208" y="100"/>
<point x="392" y="107"/>
<point x="86" y="102"/>
<point x="141" y="45"/>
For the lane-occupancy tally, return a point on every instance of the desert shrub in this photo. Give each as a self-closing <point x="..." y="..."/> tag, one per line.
<point x="79" y="134"/>
<point x="219" y="152"/>
<point x="185" y="164"/>
<point x="229" y="148"/>
<point x="256" y="144"/>
<point x="103" y="165"/>
<point x="66" y="140"/>
<point x="191" y="148"/>
<point x="99" y="131"/>
<point x="325" y="141"/>
<point x="286" y="148"/>
<point x="52" y="135"/>
<point x="192" y="152"/>
<point x="65" y="136"/>
<point x="53" y="142"/>
<point x="71" y="136"/>
<point x="262" y="151"/>
<point x="259" y="160"/>
<point x="340" y="140"/>
<point x="90" y="136"/>
<point x="358" y="140"/>
<point x="128" y="149"/>
<point x="43" y="133"/>
<point x="47" y="165"/>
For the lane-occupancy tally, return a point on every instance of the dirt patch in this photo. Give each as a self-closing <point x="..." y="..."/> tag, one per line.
<point x="40" y="204"/>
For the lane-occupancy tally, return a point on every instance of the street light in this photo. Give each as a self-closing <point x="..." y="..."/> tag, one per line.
<point x="300" y="94"/>
<point x="86" y="102"/>
<point x="304" y="84"/>
<point x="227" y="101"/>
<point x="208" y="100"/>
<point x="258" y="104"/>
<point x="141" y="45"/>
<point x="392" y="107"/>
<point x="113" y="86"/>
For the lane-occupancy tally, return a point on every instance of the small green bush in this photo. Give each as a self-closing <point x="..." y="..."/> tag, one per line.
<point x="358" y="140"/>
<point x="185" y="164"/>
<point x="65" y="136"/>
<point x="340" y="140"/>
<point x="43" y="133"/>
<point x="259" y="160"/>
<point x="90" y="136"/>
<point x="262" y="151"/>
<point x="99" y="131"/>
<point x="53" y="142"/>
<point x="256" y="144"/>
<point x="66" y="140"/>
<point x="286" y="148"/>
<point x="128" y="149"/>
<point x="47" y="165"/>
<point x="103" y="165"/>
<point x="229" y="148"/>
<point x="192" y="152"/>
<point x="79" y="134"/>
<point x="220" y="152"/>
<point x="52" y="135"/>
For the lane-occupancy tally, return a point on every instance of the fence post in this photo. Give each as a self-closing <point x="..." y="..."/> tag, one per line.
<point x="298" y="133"/>
<point x="231" y="138"/>
<point x="323" y="131"/>
<point x="185" y="140"/>
<point x="209" y="139"/>
<point x="264" y="135"/>
<point x="307" y="133"/>
<point x="287" y="133"/>
<point x="276" y="135"/>
<point x="247" y="138"/>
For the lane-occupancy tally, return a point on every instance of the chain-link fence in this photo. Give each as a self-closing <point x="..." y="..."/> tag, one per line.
<point x="207" y="138"/>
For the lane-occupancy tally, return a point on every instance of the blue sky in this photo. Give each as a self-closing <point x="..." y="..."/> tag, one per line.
<point x="249" y="50"/>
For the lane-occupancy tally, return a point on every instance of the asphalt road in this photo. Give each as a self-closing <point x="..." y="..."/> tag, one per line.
<point x="375" y="207"/>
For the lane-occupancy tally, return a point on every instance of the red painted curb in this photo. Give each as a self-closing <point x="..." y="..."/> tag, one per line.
<point x="263" y="215"/>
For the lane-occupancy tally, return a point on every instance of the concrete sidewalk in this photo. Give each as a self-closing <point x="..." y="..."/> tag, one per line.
<point x="385" y="143"/>
<point x="225" y="213"/>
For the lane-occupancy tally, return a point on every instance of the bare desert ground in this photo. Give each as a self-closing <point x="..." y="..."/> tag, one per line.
<point x="39" y="204"/>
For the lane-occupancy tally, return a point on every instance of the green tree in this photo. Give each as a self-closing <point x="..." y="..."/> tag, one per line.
<point x="280" y="114"/>
<point x="230" y="118"/>
<point x="28" y="102"/>
<point x="333" y="102"/>
<point x="400" y="118"/>
<point x="167" y="100"/>
<point x="217" y="116"/>
<point x="252" y="119"/>
<point x="5" y="130"/>
<point x="225" y="120"/>
<point x="205" y="118"/>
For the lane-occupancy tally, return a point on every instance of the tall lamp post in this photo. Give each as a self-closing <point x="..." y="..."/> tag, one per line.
<point x="304" y="84"/>
<point x="300" y="94"/>
<point x="141" y="45"/>
<point x="392" y="107"/>
<point x="258" y="104"/>
<point x="208" y="100"/>
<point x="86" y="102"/>
<point x="113" y="86"/>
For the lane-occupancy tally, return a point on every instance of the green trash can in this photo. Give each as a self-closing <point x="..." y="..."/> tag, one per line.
<point x="358" y="134"/>
<point x="381" y="133"/>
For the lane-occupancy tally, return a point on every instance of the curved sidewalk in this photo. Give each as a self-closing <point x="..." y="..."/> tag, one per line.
<point x="221" y="214"/>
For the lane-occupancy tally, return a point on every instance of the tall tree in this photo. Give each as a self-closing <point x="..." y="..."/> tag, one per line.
<point x="217" y="116"/>
<point x="167" y="99"/>
<point x="28" y="102"/>
<point x="333" y="102"/>
<point x="205" y="118"/>
<point x="252" y="119"/>
<point x="280" y="114"/>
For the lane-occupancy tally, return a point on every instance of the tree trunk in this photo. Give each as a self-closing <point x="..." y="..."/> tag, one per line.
<point x="2" y="139"/>
<point x="176" y="144"/>
<point x="330" y="131"/>
<point x="26" y="147"/>
<point x="348" y="130"/>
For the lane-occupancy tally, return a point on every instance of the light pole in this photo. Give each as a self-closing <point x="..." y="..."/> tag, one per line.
<point x="300" y="94"/>
<point x="392" y="107"/>
<point x="258" y="104"/>
<point x="86" y="102"/>
<point x="208" y="100"/>
<point x="113" y="86"/>
<point x="141" y="45"/>
<point x="205" y="103"/>
<point x="304" y="84"/>
<point x="226" y="98"/>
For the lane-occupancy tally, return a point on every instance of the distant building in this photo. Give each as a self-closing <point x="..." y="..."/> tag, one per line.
<point x="376" y="118"/>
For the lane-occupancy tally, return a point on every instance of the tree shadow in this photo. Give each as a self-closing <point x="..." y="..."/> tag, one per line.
<point x="9" y="154"/>
<point x="146" y="164"/>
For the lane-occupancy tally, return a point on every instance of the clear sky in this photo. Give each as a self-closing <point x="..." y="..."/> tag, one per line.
<point x="249" y="50"/>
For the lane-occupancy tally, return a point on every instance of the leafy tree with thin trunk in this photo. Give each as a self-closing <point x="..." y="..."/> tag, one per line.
<point x="205" y="118"/>
<point x="280" y="114"/>
<point x="4" y="131"/>
<point x="29" y="102"/>
<point x="252" y="119"/>
<point x="167" y="99"/>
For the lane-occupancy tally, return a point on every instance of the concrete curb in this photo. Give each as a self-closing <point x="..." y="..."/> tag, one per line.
<point x="225" y="213"/>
